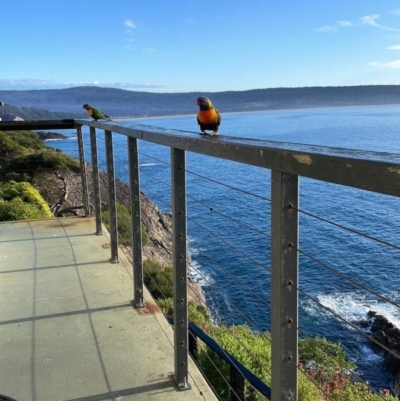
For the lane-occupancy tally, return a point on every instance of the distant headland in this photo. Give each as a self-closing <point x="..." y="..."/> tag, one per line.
<point x="119" y="102"/>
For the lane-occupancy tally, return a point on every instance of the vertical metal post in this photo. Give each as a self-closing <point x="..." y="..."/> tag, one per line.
<point x="134" y="186"/>
<point x="85" y="193"/>
<point x="96" y="183"/>
<point x="284" y="283"/>
<point x="112" y="203"/>
<point x="178" y="180"/>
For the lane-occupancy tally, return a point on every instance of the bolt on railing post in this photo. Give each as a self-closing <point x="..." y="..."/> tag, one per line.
<point x="284" y="283"/>
<point x="112" y="203"/>
<point x="178" y="181"/>
<point x="96" y="181"/>
<point x="134" y="185"/>
<point x="85" y="193"/>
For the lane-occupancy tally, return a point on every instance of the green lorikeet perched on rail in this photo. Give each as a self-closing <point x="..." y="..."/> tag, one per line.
<point x="95" y="114"/>
<point x="208" y="117"/>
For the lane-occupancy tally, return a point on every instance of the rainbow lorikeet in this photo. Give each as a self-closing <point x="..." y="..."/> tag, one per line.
<point x="95" y="114"/>
<point x="208" y="117"/>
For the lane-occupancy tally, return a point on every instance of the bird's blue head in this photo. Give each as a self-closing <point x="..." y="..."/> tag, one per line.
<point x="204" y="103"/>
<point x="86" y="106"/>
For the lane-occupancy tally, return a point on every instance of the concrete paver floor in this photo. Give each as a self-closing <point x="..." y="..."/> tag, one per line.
<point x="67" y="328"/>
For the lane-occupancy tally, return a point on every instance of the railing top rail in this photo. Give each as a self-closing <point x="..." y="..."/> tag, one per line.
<point x="372" y="171"/>
<point x="37" y="124"/>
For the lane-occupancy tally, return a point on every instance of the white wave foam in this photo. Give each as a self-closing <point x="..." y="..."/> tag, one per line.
<point x="198" y="275"/>
<point x="369" y="355"/>
<point x="352" y="306"/>
<point x="148" y="165"/>
<point x="60" y="139"/>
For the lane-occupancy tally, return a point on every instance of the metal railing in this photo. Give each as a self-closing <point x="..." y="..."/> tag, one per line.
<point x="372" y="171"/>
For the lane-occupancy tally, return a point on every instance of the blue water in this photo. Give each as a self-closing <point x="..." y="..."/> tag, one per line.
<point x="375" y="266"/>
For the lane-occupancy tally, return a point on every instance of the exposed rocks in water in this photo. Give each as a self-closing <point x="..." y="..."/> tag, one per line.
<point x="383" y="331"/>
<point x="44" y="136"/>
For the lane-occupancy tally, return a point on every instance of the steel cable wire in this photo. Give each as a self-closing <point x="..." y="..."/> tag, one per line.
<point x="155" y="179"/>
<point x="347" y="278"/>
<point x="267" y="269"/>
<point x="228" y="186"/>
<point x="154" y="158"/>
<point x="211" y="209"/>
<point x="246" y="318"/>
<point x="351" y="230"/>
<point x="264" y="301"/>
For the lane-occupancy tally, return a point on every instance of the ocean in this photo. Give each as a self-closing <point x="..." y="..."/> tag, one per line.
<point x="229" y="223"/>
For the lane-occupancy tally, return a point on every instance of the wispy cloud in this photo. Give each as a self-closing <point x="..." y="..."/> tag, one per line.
<point x="371" y="20"/>
<point x="326" y="28"/>
<point x="130" y="24"/>
<point x="393" y="65"/>
<point x="396" y="12"/>
<point x="21" y="84"/>
<point x="190" y="21"/>
<point x="345" y="23"/>
<point x="334" y="27"/>
<point x="395" y="47"/>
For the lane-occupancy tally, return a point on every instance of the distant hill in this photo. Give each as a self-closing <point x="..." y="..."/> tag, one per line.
<point x="119" y="102"/>
<point x="12" y="113"/>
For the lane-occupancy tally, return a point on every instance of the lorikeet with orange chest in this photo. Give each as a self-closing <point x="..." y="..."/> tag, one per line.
<point x="95" y="114"/>
<point x="208" y="117"/>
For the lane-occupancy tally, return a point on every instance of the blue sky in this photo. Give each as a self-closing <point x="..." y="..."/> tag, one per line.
<point x="183" y="46"/>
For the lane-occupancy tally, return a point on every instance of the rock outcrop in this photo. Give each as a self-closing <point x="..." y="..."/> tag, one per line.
<point x="44" y="136"/>
<point x="387" y="334"/>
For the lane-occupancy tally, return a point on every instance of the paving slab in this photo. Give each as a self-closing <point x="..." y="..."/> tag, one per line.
<point x="68" y="330"/>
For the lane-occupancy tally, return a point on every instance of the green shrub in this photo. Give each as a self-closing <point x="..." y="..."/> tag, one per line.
<point x="317" y="353"/>
<point x="8" y="147"/>
<point x="27" y="139"/>
<point x="197" y="313"/>
<point x="158" y="280"/>
<point x="45" y="160"/>
<point x="17" y="177"/>
<point x="20" y="201"/>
